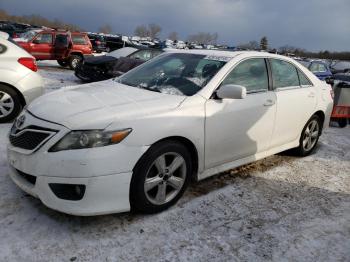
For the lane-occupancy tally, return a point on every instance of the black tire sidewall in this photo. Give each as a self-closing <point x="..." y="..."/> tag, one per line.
<point x="138" y="199"/>
<point x="62" y="63"/>
<point x="300" y="150"/>
<point x="17" y="104"/>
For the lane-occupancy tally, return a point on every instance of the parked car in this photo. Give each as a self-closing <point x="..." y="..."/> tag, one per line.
<point x="19" y="82"/>
<point x="135" y="142"/>
<point x="98" y="43"/>
<point x="319" y="68"/>
<point x="114" y="63"/>
<point x="340" y="67"/>
<point x="68" y="48"/>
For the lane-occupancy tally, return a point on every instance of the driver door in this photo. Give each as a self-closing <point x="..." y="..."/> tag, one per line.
<point x="238" y="128"/>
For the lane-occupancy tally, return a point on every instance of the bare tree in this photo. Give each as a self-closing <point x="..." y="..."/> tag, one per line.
<point x="173" y="36"/>
<point x="106" y="29"/>
<point x="154" y="30"/>
<point x="263" y="43"/>
<point x="141" y="31"/>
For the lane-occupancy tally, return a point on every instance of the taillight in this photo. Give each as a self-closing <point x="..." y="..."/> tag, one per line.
<point x="29" y="63"/>
<point x="15" y="35"/>
<point x="98" y="42"/>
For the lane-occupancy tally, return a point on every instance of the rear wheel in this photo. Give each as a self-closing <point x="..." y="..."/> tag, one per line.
<point x="309" y="136"/>
<point x="160" y="177"/>
<point x="63" y="63"/>
<point x="10" y="104"/>
<point x="74" y="60"/>
<point x="342" y="122"/>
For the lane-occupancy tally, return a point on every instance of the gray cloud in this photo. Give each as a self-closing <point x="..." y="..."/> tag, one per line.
<point x="312" y="24"/>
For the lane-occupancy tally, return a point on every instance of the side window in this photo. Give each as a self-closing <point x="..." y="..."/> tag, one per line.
<point x="79" y="40"/>
<point x="303" y="79"/>
<point x="44" y="39"/>
<point x="251" y="74"/>
<point x="143" y="55"/>
<point x="61" y="40"/>
<point x="284" y="74"/>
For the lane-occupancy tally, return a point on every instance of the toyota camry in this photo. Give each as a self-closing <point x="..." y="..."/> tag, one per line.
<point x="135" y="142"/>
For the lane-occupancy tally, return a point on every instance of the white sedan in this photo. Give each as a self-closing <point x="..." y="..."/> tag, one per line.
<point x="135" y="142"/>
<point x="19" y="81"/>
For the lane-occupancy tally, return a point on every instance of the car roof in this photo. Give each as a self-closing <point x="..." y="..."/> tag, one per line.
<point x="228" y="54"/>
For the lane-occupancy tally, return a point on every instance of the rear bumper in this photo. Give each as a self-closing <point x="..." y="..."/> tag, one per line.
<point x="31" y="86"/>
<point x="103" y="194"/>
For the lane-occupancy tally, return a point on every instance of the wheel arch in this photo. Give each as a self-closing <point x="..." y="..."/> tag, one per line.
<point x="322" y="117"/>
<point x="19" y="93"/>
<point x="190" y="146"/>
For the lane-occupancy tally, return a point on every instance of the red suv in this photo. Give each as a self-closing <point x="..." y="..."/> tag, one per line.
<point x="68" y="48"/>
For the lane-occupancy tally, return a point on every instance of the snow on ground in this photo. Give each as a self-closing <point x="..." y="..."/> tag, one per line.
<point x="282" y="208"/>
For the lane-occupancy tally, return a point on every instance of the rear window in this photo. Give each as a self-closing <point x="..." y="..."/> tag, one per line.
<point x="79" y="40"/>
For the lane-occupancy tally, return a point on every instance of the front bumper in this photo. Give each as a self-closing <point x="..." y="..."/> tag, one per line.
<point x="103" y="194"/>
<point x="104" y="171"/>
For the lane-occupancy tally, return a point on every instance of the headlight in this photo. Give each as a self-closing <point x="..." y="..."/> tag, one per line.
<point x="89" y="139"/>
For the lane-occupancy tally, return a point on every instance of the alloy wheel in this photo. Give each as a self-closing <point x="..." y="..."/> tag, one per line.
<point x="7" y="104"/>
<point x="311" y="135"/>
<point x="165" y="178"/>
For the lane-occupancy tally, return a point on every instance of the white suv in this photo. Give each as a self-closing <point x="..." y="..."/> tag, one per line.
<point x="19" y="81"/>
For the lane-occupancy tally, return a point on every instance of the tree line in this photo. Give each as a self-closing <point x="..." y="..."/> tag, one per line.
<point x="153" y="30"/>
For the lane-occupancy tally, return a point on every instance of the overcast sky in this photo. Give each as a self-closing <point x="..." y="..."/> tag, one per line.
<point x="311" y="24"/>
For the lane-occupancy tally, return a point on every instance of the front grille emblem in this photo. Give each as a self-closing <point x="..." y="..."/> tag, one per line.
<point x="20" y="121"/>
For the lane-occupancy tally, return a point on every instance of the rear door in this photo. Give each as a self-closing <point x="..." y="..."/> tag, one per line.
<point x="296" y="101"/>
<point x="42" y="47"/>
<point x="61" y="45"/>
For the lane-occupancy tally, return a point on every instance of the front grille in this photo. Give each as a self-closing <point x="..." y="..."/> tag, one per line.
<point x="29" y="178"/>
<point x="30" y="138"/>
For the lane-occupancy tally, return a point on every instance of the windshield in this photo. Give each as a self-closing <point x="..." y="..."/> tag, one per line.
<point x="175" y="73"/>
<point x="122" y="52"/>
<point x="29" y="35"/>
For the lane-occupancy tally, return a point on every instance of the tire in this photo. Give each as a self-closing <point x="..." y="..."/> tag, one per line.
<point x="305" y="149"/>
<point x="160" y="192"/>
<point x="74" y="60"/>
<point x="63" y="63"/>
<point x="10" y="104"/>
<point x="342" y="122"/>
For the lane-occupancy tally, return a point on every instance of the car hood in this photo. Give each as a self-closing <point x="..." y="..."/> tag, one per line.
<point x="97" y="105"/>
<point x="97" y="60"/>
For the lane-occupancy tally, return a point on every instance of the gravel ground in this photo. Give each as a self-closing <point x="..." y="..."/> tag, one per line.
<point x="282" y="208"/>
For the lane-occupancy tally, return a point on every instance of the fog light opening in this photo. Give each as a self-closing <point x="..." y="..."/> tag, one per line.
<point x="71" y="192"/>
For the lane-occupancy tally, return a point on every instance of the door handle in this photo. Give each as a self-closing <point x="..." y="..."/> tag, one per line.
<point x="312" y="94"/>
<point x="269" y="102"/>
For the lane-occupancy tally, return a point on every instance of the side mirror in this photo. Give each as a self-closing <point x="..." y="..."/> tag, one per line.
<point x="36" y="41"/>
<point x="232" y="92"/>
<point x="330" y="80"/>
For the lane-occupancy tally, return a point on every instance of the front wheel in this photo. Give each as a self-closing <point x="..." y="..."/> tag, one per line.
<point x="160" y="177"/>
<point x="309" y="136"/>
